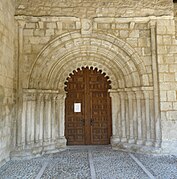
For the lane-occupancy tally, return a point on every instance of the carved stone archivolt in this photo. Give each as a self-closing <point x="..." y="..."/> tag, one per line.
<point x="71" y="51"/>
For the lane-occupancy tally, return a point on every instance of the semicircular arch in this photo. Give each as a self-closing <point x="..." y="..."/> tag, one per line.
<point x="115" y="57"/>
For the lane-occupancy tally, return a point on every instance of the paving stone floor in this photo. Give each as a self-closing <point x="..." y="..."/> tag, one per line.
<point x="92" y="163"/>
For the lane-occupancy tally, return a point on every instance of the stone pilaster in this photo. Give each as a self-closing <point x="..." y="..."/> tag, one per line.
<point x="116" y="132"/>
<point x="156" y="84"/>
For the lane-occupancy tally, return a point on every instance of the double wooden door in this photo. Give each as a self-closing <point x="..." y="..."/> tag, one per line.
<point x="87" y="108"/>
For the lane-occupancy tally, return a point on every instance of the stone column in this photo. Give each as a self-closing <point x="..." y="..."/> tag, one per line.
<point x="131" y="117"/>
<point x="45" y="119"/>
<point x="139" y="117"/>
<point x="24" y="113"/>
<point x="49" y="117"/>
<point x="153" y="122"/>
<point x="156" y="85"/>
<point x="54" y="121"/>
<point x="30" y="117"/>
<point x="57" y="110"/>
<point x="37" y="117"/>
<point x="18" y="138"/>
<point x="33" y="108"/>
<point x="62" y="115"/>
<point x="127" y="116"/>
<point x="61" y="140"/>
<point x="115" y="117"/>
<point x="41" y="118"/>
<point x="123" y="116"/>
<point x="147" y="118"/>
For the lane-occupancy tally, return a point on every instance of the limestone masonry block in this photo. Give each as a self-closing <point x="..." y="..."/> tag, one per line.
<point x="171" y="96"/>
<point x="166" y="106"/>
<point x="31" y="25"/>
<point x="51" y="25"/>
<point x="169" y="77"/>
<point x="172" y="115"/>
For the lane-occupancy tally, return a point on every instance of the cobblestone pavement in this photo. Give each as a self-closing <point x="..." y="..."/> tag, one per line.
<point x="92" y="163"/>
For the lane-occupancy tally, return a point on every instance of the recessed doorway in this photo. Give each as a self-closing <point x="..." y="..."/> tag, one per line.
<point x="88" y="108"/>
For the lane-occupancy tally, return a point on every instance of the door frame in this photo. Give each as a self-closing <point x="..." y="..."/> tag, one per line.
<point x="110" y="126"/>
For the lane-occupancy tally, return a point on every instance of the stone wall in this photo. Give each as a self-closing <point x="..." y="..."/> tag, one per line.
<point x="167" y="60"/>
<point x="7" y="76"/>
<point x="133" y="42"/>
<point x="95" y="8"/>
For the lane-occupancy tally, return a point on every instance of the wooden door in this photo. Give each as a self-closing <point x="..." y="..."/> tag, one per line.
<point x="88" y="108"/>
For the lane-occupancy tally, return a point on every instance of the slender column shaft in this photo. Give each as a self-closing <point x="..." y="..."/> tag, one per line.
<point x="127" y="116"/>
<point x="24" y="111"/>
<point x="148" y="118"/>
<point x="19" y="119"/>
<point x="33" y="107"/>
<point x="62" y="117"/>
<point x="28" y="129"/>
<point x="54" y="122"/>
<point x="49" y="118"/>
<point x="139" y="117"/>
<point x="45" y="121"/>
<point x="58" y="116"/>
<point x="37" y="118"/>
<point x="115" y="117"/>
<point x="158" y="134"/>
<point x="131" y="127"/>
<point x="123" y="117"/>
<point x="41" y="119"/>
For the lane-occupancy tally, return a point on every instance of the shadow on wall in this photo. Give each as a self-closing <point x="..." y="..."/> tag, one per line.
<point x="5" y="108"/>
<point x="2" y="94"/>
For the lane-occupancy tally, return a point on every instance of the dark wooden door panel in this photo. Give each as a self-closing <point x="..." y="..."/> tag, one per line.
<point x="100" y="115"/>
<point x="92" y="125"/>
<point x="74" y="122"/>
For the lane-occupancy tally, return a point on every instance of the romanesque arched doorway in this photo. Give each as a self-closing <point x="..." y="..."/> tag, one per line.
<point x="88" y="108"/>
<point x="134" y="98"/>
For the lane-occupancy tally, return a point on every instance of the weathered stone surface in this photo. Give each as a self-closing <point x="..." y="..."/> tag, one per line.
<point x="90" y="8"/>
<point x="7" y="76"/>
<point x="131" y="54"/>
<point x="133" y="42"/>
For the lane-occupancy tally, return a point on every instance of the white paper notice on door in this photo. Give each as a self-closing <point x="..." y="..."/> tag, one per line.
<point x="77" y="107"/>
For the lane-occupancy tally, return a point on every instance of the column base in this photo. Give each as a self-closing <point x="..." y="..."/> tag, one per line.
<point x="37" y="149"/>
<point x="124" y="140"/>
<point x="149" y="143"/>
<point x="139" y="142"/>
<point x="61" y="142"/>
<point x="131" y="141"/>
<point x="114" y="140"/>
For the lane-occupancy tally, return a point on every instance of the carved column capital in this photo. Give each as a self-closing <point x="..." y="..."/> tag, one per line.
<point x="138" y="94"/>
<point x="122" y="94"/>
<point x="152" y="24"/>
<point x="146" y="94"/>
<point x="113" y="93"/>
<point x="130" y="94"/>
